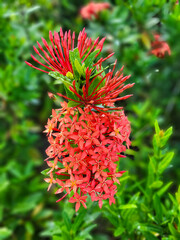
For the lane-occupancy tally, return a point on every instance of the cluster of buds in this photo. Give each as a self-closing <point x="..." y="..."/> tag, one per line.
<point x="89" y="134"/>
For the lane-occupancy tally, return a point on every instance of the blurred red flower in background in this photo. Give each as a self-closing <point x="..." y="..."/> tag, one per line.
<point x="92" y="9"/>
<point x="159" y="48"/>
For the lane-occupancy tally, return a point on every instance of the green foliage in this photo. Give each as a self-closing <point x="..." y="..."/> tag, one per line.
<point x="71" y="225"/>
<point x="143" y="208"/>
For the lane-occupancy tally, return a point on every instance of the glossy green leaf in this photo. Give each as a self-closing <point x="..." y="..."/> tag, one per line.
<point x="75" y="57"/>
<point x="127" y="206"/>
<point x="90" y="59"/>
<point x="164" y="189"/>
<point x="156" y="184"/>
<point x="165" y="162"/>
<point x="79" y="68"/>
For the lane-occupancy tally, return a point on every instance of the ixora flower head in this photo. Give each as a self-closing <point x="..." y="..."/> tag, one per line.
<point x="88" y="134"/>
<point x="159" y="48"/>
<point x="83" y="152"/>
<point x="92" y="9"/>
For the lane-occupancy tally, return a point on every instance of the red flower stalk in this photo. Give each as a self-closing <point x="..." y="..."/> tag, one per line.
<point x="92" y="9"/>
<point x="56" y="55"/>
<point x="159" y="48"/>
<point x="83" y="152"/>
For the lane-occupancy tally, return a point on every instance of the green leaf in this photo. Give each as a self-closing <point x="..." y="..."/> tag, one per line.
<point x="27" y="204"/>
<point x="127" y="206"/>
<point x="119" y="231"/>
<point x="147" y="227"/>
<point x="1" y="212"/>
<point x="173" y="231"/>
<point x="79" y="68"/>
<point x="164" y="189"/>
<point x="67" y="220"/>
<point x="157" y="129"/>
<point x="84" y="232"/>
<point x="94" y="84"/>
<point x="166" y="136"/>
<point x="124" y="177"/>
<point x="153" y="164"/>
<point x="72" y="104"/>
<point x="4" y="182"/>
<point x="149" y="236"/>
<point x="152" y="218"/>
<point x="128" y="213"/>
<point x="151" y="175"/>
<point x="158" y="207"/>
<point x="165" y="162"/>
<point x="74" y="57"/>
<point x="56" y="238"/>
<point x="29" y="227"/>
<point x="156" y="184"/>
<point x="5" y="233"/>
<point x="177" y="194"/>
<point x="78" y="220"/>
<point x="44" y="172"/>
<point x="112" y="216"/>
<point x="90" y="59"/>
<point x="172" y="198"/>
<point x="60" y="79"/>
<point x="70" y="94"/>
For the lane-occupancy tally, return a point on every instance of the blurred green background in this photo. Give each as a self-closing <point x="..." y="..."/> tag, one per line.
<point x="27" y="211"/>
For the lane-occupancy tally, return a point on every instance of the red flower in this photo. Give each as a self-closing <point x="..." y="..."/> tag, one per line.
<point x="84" y="160"/>
<point x="159" y="48"/>
<point x="56" y="56"/>
<point x="78" y="199"/>
<point x="92" y="9"/>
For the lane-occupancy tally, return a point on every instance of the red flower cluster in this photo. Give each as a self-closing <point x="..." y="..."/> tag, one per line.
<point x="56" y="56"/>
<point x="92" y="9"/>
<point x="86" y="140"/>
<point x="84" y="148"/>
<point x="106" y="95"/>
<point x="159" y="48"/>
